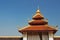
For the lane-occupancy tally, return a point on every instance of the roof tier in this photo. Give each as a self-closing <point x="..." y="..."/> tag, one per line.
<point x="38" y="22"/>
<point x="38" y="15"/>
<point x="38" y="29"/>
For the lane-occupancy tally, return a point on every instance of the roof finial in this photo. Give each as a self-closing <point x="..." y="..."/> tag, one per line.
<point x="38" y="10"/>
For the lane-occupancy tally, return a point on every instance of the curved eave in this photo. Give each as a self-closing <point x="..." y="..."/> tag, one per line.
<point x="54" y="31"/>
<point x="37" y="29"/>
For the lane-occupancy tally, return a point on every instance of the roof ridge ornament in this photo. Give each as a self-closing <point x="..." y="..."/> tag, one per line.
<point x="38" y="9"/>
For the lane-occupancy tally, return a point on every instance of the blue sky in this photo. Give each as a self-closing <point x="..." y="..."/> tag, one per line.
<point x="15" y="13"/>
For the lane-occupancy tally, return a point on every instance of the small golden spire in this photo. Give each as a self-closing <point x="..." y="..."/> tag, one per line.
<point x="38" y="10"/>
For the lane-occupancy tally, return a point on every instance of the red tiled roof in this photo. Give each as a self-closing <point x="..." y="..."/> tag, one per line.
<point x="38" y="24"/>
<point x="38" y="28"/>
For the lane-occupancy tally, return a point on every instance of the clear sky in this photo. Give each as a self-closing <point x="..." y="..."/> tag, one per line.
<point x="15" y="13"/>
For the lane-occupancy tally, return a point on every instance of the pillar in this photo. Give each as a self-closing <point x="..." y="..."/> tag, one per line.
<point x="51" y="36"/>
<point x="25" y="36"/>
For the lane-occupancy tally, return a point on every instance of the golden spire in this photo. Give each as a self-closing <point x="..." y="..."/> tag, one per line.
<point x="38" y="11"/>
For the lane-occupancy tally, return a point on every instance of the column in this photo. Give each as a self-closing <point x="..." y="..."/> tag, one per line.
<point x="51" y="36"/>
<point x="25" y="36"/>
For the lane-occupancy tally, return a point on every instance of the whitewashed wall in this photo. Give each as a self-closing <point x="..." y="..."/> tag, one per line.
<point x="36" y="36"/>
<point x="33" y="37"/>
<point x="51" y="36"/>
<point x="45" y="36"/>
<point x="25" y="36"/>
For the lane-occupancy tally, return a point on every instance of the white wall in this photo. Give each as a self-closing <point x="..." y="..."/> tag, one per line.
<point x="51" y="36"/>
<point x="45" y="36"/>
<point x="25" y="36"/>
<point x="36" y="36"/>
<point x="33" y="37"/>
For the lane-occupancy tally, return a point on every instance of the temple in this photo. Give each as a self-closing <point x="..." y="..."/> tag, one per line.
<point x="38" y="29"/>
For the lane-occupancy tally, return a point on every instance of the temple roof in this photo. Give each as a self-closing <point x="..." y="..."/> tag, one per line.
<point x="38" y="28"/>
<point x="38" y="24"/>
<point x="38" y="19"/>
